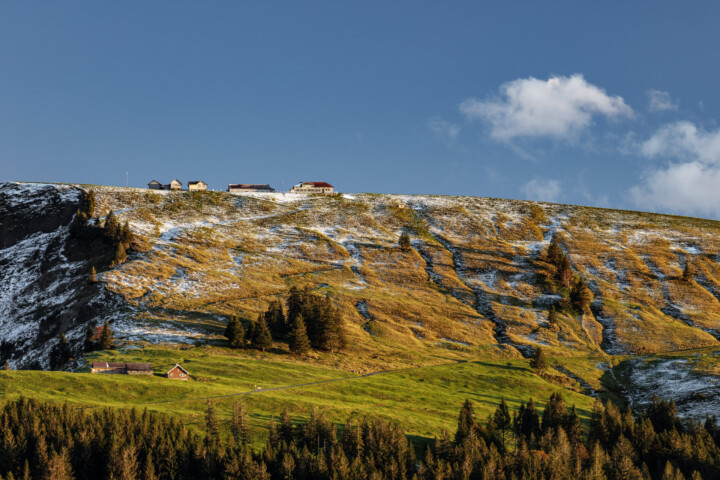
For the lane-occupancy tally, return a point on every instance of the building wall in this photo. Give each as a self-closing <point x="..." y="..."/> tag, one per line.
<point x="198" y="186"/>
<point x="140" y="372"/>
<point x="241" y="190"/>
<point x="108" y="370"/>
<point x="309" y="189"/>
<point x="177" y="374"/>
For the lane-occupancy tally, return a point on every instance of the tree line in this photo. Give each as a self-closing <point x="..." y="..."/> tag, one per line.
<point x="311" y="322"/>
<point x="60" y="442"/>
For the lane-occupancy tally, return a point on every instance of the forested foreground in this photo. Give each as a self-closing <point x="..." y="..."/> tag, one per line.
<point x="51" y="441"/>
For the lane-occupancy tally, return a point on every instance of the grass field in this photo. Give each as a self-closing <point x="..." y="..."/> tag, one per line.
<point x="424" y="401"/>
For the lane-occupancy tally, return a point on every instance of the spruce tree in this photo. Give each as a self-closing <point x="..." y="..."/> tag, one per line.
<point x="59" y="467"/>
<point x="112" y="226"/>
<point x="404" y="241"/>
<point x="106" y="337"/>
<point x="262" y="338"/>
<point x="93" y="275"/>
<point x="212" y="429"/>
<point x="149" y="468"/>
<point x="501" y="419"/>
<point x="276" y="321"/>
<point x="240" y="425"/>
<point x="581" y="296"/>
<point x="126" y="235"/>
<point x="90" y="204"/>
<point x="564" y="273"/>
<point x="120" y="254"/>
<point x="6" y="366"/>
<point x="235" y="333"/>
<point x="554" y="253"/>
<point x="299" y="342"/>
<point x="688" y="272"/>
<point x="538" y="361"/>
<point x="466" y="422"/>
<point x="89" y="343"/>
<point x="553" y="316"/>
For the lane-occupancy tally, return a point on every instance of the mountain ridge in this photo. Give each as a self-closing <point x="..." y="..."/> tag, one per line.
<point x="474" y="282"/>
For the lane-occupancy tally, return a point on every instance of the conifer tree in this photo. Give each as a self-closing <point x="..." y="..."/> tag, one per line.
<point x="90" y="204"/>
<point x="501" y="420"/>
<point x="404" y="241"/>
<point x="93" y="274"/>
<point x="112" y="226"/>
<point x="89" y="342"/>
<point x="212" y="429"/>
<point x="58" y="466"/>
<point x="564" y="274"/>
<point x="553" y="316"/>
<point x="240" y="425"/>
<point x="262" y="338"/>
<point x="554" y="414"/>
<point x="554" y="253"/>
<point x="581" y="296"/>
<point x="6" y="366"/>
<point x="106" y="337"/>
<point x="126" y="235"/>
<point x="120" y="254"/>
<point x="299" y="342"/>
<point x="538" y="361"/>
<point x="466" y="422"/>
<point x="149" y="468"/>
<point x="286" y="428"/>
<point x="276" y="320"/>
<point x="235" y="333"/>
<point x="688" y="272"/>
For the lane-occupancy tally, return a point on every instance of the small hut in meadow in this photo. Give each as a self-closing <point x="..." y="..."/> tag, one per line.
<point x="178" y="373"/>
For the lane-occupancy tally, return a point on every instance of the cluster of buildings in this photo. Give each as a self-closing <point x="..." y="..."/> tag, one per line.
<point x="321" y="188"/>
<point x="177" y="372"/>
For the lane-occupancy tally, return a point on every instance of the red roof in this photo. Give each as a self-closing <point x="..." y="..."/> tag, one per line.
<point x="318" y="184"/>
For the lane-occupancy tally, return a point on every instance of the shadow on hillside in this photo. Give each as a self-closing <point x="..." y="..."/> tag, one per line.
<point x="504" y="367"/>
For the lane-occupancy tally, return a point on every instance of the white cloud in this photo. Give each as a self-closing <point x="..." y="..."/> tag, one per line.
<point x="545" y="190"/>
<point x="685" y="141"/>
<point x="443" y="129"/>
<point x="661" y="101"/>
<point x="690" y="188"/>
<point x="559" y="107"/>
<point x="690" y="184"/>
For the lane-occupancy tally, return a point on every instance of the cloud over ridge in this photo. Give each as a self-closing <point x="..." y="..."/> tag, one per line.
<point x="559" y="107"/>
<point x="691" y="182"/>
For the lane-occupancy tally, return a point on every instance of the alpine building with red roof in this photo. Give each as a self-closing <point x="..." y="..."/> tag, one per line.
<point x="322" y="188"/>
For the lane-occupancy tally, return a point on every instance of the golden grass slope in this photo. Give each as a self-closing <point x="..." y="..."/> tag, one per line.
<point x="211" y="255"/>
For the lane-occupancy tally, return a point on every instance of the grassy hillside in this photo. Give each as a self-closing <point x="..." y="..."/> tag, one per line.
<point x="476" y="268"/>
<point x="423" y="401"/>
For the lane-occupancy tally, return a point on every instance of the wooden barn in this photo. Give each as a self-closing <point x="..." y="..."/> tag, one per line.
<point x="250" y="187"/>
<point x="108" y="367"/>
<point x="178" y="373"/>
<point x="122" y="368"/>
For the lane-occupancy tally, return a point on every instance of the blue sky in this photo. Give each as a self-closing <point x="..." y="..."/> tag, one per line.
<point x="596" y="103"/>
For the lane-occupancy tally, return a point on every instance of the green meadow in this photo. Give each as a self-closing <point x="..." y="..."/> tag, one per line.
<point x="423" y="400"/>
